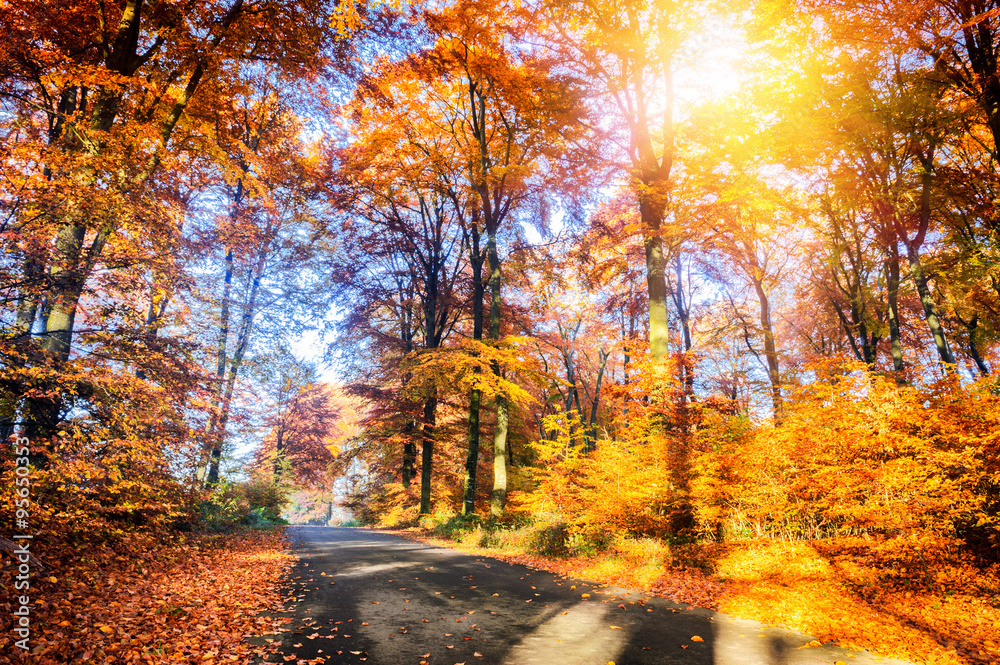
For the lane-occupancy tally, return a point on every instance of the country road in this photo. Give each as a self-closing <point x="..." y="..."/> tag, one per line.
<point x="372" y="598"/>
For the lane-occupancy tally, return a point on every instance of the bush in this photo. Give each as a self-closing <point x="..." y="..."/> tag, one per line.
<point x="255" y="503"/>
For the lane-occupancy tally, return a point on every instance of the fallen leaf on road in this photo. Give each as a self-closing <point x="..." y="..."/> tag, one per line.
<point x="697" y="639"/>
<point x="616" y="627"/>
<point x="477" y="654"/>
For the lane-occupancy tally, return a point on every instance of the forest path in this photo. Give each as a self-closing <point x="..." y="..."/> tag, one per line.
<point x="378" y="599"/>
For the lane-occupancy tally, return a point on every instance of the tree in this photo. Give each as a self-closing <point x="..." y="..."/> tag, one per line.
<point x="484" y="121"/>
<point x="103" y="103"/>
<point x="631" y="50"/>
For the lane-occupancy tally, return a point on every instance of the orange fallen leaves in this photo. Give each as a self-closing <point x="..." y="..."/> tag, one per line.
<point x="140" y="599"/>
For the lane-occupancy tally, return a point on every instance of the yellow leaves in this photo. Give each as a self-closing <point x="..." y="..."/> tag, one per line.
<point x="471" y="366"/>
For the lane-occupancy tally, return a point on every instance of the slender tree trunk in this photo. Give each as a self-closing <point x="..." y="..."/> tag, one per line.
<point x="476" y="396"/>
<point x="929" y="307"/>
<point x="279" y="447"/>
<point x="770" y="352"/>
<point x="499" y="498"/>
<point x="973" y="327"/>
<point x="892" y="311"/>
<point x="917" y="268"/>
<point x="472" y="459"/>
<point x="217" y="438"/>
<point x="409" y="453"/>
<point x="592" y="425"/>
<point x="427" y="452"/>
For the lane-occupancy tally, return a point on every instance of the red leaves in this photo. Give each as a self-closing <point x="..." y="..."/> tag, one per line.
<point x="187" y="600"/>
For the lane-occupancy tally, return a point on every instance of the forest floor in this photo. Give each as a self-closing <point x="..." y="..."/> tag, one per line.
<point x="836" y="591"/>
<point x="143" y="599"/>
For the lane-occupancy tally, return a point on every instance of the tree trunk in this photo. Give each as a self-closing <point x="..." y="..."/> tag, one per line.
<point x="279" y="446"/>
<point x="472" y="458"/>
<point x="475" y="398"/>
<point x="409" y="454"/>
<point x="499" y="499"/>
<point x="770" y="353"/>
<point x="892" y="313"/>
<point x="973" y="327"/>
<point x="656" y="283"/>
<point x="427" y="453"/>
<point x="930" y="309"/>
<point x="592" y="425"/>
<point x="217" y="438"/>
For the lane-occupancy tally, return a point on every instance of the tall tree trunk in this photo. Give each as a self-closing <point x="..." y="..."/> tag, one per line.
<point x="499" y="498"/>
<point x="592" y="425"/>
<point x="651" y="214"/>
<point x="973" y="327"/>
<point x="409" y="453"/>
<point x="892" y="311"/>
<point x="476" y="395"/>
<point x="279" y="447"/>
<point x="218" y="437"/>
<point x="427" y="452"/>
<point x="929" y="307"/>
<point x="916" y="267"/>
<point x="770" y="352"/>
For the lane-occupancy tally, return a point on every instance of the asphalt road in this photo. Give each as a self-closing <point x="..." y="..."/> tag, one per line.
<point x="372" y="598"/>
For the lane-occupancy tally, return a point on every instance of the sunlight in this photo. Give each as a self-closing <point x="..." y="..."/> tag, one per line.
<point x="713" y="68"/>
<point x="580" y="635"/>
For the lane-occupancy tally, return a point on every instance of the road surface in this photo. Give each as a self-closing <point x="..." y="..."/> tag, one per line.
<point x="363" y="597"/>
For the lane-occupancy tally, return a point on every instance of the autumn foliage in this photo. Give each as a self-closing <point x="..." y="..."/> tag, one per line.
<point x="683" y="282"/>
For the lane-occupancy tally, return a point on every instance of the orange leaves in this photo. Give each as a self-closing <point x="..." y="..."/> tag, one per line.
<point x="468" y="366"/>
<point x="193" y="598"/>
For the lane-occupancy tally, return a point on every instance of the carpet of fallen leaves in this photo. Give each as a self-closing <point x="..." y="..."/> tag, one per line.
<point x="832" y="591"/>
<point x="148" y="599"/>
